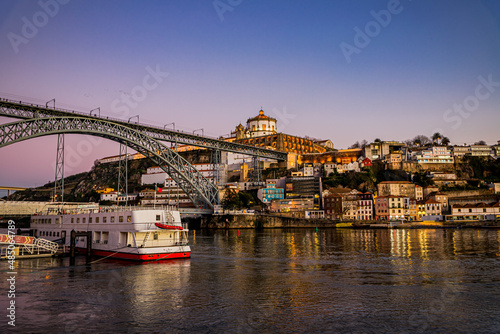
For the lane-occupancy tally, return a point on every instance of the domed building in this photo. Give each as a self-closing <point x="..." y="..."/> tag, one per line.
<point x="262" y="131"/>
<point x="260" y="125"/>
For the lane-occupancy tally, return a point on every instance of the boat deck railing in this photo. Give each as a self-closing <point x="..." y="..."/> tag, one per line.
<point x="100" y="209"/>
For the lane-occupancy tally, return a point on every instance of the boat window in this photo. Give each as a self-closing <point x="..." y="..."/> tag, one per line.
<point x="57" y="220"/>
<point x="104" y="219"/>
<point x="158" y="218"/>
<point x="78" y="220"/>
<point x="57" y="233"/>
<point x="97" y="237"/>
<point x="83" y="220"/>
<point x="155" y="236"/>
<point x="129" y="219"/>
<point x="90" y="220"/>
<point x="113" y="219"/>
<point x="72" y="220"/>
<point x="96" y="220"/>
<point x="120" y="219"/>
<point x="104" y="237"/>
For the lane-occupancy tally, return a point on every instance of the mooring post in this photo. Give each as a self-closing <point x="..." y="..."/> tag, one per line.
<point x="72" y="248"/>
<point x="89" y="247"/>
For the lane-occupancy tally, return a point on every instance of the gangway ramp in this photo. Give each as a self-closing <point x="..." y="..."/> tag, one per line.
<point x="26" y="247"/>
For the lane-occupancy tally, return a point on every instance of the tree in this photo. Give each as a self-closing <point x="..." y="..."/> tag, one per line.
<point x="445" y="141"/>
<point x="436" y="138"/>
<point x="481" y="142"/>
<point x="421" y="140"/>
<point x="355" y="145"/>
<point x="364" y="143"/>
<point x="231" y="200"/>
<point x="377" y="140"/>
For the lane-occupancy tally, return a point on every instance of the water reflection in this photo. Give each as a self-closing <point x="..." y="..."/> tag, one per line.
<point x="279" y="280"/>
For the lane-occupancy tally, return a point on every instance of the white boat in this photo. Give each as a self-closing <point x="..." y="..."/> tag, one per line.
<point x="132" y="233"/>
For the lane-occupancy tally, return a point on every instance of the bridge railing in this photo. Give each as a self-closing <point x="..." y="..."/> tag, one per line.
<point x="102" y="117"/>
<point x="199" y="140"/>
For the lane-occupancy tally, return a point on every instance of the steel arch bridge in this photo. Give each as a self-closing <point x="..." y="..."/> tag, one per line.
<point x="23" y="110"/>
<point x="194" y="184"/>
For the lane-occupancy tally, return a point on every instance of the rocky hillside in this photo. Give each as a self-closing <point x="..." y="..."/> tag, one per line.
<point x="82" y="187"/>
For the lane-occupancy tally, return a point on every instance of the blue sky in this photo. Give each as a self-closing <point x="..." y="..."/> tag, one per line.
<point x="225" y="63"/>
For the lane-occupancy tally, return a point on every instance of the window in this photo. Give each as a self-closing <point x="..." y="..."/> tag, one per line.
<point x="57" y="220"/>
<point x="78" y="220"/>
<point x="120" y="219"/>
<point x="158" y="218"/>
<point x="96" y="220"/>
<point x="83" y="220"/>
<point x="129" y="219"/>
<point x="113" y="219"/>
<point x="90" y="220"/>
<point x="104" y="219"/>
<point x="72" y="220"/>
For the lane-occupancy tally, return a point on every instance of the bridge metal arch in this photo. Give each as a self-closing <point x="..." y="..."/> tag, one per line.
<point x="18" y="109"/>
<point x="194" y="184"/>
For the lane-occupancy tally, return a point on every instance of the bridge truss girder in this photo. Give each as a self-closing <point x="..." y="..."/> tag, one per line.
<point x="27" y="111"/>
<point x="194" y="184"/>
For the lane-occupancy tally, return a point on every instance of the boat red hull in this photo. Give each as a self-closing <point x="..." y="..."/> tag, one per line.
<point x="138" y="257"/>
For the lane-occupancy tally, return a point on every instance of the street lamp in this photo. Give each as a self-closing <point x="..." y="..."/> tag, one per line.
<point x="202" y="132"/>
<point x="47" y="104"/>
<point x="98" y="109"/>
<point x="133" y="117"/>
<point x="173" y="123"/>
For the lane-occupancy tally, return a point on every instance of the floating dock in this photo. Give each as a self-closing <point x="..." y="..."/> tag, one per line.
<point x="24" y="247"/>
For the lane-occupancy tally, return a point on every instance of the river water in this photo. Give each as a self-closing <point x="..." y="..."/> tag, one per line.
<point x="274" y="281"/>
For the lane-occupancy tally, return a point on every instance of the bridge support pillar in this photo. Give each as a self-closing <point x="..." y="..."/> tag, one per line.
<point x="215" y="160"/>
<point x="123" y="173"/>
<point x="257" y="171"/>
<point x="59" y="177"/>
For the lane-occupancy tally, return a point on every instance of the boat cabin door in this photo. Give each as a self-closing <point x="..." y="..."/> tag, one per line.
<point x="63" y="237"/>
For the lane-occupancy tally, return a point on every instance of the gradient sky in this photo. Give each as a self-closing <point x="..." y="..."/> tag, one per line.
<point x="223" y="66"/>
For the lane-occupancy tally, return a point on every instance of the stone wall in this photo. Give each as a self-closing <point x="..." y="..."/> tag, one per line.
<point x="466" y="193"/>
<point x="262" y="221"/>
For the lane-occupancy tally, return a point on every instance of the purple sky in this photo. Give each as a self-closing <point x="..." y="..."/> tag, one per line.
<point x="326" y="69"/>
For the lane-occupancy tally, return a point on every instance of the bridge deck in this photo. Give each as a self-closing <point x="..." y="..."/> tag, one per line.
<point x="22" y="110"/>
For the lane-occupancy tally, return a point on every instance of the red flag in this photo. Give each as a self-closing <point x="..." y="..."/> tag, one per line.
<point x="159" y="190"/>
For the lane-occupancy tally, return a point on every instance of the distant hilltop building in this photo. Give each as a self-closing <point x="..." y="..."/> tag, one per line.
<point x="262" y="131"/>
<point x="260" y="125"/>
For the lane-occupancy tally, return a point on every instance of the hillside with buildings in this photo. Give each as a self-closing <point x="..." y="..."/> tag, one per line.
<point x="413" y="180"/>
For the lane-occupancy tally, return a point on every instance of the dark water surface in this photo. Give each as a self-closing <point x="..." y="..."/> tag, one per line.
<point x="274" y="281"/>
